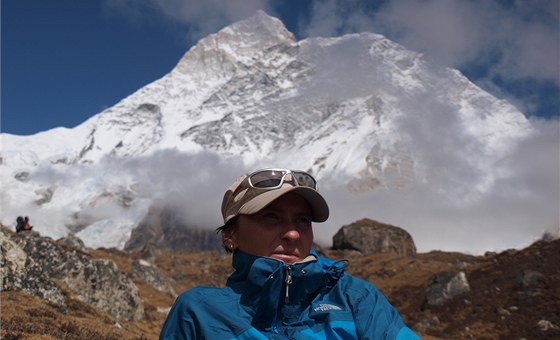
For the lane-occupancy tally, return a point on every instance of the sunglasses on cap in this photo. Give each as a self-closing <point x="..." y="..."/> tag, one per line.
<point x="274" y="178"/>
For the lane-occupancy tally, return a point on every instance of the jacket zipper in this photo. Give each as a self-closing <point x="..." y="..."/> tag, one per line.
<point x="288" y="283"/>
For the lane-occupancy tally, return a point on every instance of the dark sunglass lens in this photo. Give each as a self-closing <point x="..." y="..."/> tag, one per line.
<point x="267" y="179"/>
<point x="267" y="183"/>
<point x="305" y="179"/>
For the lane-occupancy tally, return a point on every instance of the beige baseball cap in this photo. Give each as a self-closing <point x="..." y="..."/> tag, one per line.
<point x="243" y="199"/>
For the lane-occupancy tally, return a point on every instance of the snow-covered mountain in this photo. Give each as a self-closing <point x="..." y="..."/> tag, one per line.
<point x="357" y="110"/>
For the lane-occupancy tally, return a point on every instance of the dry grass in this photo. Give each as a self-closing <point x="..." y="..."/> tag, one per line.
<point x="27" y="317"/>
<point x="493" y="281"/>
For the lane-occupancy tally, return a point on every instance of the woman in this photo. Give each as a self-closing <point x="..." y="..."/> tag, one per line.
<point x="281" y="289"/>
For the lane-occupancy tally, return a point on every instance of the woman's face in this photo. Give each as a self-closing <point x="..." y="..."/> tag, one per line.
<point x="282" y="230"/>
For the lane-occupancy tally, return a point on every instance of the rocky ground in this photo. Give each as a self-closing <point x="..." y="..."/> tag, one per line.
<point x="510" y="295"/>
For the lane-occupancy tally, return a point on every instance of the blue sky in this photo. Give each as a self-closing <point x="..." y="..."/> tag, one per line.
<point x="66" y="60"/>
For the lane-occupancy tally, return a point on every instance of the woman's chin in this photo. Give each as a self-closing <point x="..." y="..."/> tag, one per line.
<point x="286" y="258"/>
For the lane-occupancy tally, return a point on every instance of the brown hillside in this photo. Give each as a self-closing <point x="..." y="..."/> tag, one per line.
<point x="514" y="294"/>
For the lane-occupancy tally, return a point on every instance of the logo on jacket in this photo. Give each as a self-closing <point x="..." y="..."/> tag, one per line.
<point x="323" y="307"/>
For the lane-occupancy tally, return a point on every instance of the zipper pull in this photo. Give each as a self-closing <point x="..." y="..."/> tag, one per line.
<point x="288" y="283"/>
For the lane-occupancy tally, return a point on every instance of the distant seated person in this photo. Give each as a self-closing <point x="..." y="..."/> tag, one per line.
<point x="22" y="224"/>
<point x="281" y="288"/>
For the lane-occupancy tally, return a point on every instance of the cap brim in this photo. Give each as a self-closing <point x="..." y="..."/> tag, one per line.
<point x="319" y="207"/>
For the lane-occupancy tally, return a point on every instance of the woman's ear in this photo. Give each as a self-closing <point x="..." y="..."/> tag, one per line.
<point x="229" y="238"/>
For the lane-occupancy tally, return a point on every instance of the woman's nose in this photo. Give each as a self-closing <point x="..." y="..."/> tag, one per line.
<point x="291" y="233"/>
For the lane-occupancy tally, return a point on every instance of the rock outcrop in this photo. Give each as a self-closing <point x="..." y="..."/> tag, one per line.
<point x="445" y="286"/>
<point x="36" y="264"/>
<point x="164" y="229"/>
<point x="369" y="237"/>
<point x="149" y="273"/>
<point x="21" y="272"/>
<point x="72" y="241"/>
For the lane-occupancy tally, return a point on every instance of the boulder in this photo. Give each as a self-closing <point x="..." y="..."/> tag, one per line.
<point x="72" y="241"/>
<point x="370" y="237"/>
<point x="545" y="326"/>
<point x="530" y="278"/>
<point x="426" y="324"/>
<point x="21" y="273"/>
<point x="149" y="252"/>
<point x="95" y="281"/>
<point x="445" y="286"/>
<point x="150" y="274"/>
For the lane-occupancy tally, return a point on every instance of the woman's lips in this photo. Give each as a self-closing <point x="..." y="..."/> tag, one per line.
<point x="286" y="257"/>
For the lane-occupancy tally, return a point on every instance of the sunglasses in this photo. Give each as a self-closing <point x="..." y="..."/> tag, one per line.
<point x="274" y="178"/>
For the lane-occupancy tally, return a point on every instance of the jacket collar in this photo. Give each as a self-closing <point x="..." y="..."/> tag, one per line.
<point x="260" y="282"/>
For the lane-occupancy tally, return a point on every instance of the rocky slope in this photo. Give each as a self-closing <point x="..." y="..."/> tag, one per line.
<point x="512" y="294"/>
<point x="39" y="265"/>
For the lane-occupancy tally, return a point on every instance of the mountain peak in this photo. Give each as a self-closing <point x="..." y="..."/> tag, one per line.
<point x="239" y="41"/>
<point x="262" y="28"/>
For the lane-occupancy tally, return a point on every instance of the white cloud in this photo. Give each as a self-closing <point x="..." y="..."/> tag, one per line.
<point x="450" y="31"/>
<point x="521" y="38"/>
<point x="192" y="184"/>
<point x="517" y="210"/>
<point x="503" y="45"/>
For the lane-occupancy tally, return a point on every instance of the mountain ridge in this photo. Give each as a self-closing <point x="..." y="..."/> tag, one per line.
<point x="253" y="96"/>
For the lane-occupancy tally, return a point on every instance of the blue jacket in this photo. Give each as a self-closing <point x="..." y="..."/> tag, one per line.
<point x="268" y="299"/>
